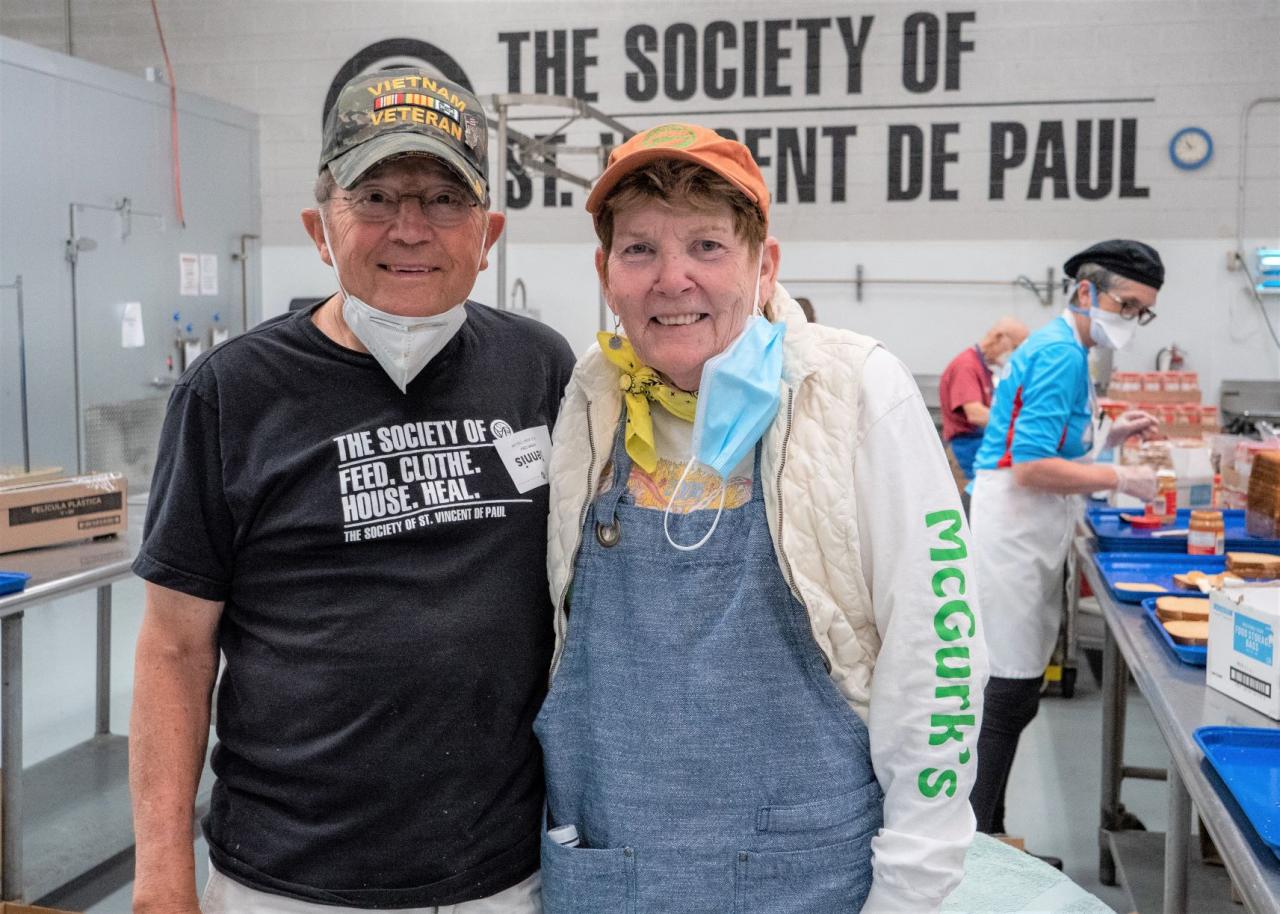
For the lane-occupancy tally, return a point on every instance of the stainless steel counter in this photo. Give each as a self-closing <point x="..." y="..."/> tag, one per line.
<point x="70" y="813"/>
<point x="1180" y="702"/>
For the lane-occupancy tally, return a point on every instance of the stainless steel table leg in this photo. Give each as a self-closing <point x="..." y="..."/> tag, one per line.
<point x="1115" y="675"/>
<point x="103" y="696"/>
<point x="1177" y="843"/>
<point x="11" y="758"/>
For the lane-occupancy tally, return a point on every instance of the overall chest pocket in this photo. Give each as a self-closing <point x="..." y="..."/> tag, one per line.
<point x="587" y="880"/>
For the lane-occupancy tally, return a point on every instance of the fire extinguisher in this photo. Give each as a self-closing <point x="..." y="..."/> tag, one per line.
<point x="1170" y="358"/>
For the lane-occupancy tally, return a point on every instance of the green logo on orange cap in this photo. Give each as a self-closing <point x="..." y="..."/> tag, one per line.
<point x="675" y="136"/>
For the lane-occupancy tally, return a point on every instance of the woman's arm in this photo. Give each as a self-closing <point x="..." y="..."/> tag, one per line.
<point x="1065" y="477"/>
<point x="926" y="689"/>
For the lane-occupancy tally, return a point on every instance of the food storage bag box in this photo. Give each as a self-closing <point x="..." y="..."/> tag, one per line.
<point x="1243" y="661"/>
<point x="62" y="510"/>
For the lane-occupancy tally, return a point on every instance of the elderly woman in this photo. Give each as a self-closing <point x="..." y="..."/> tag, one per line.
<point x="768" y="673"/>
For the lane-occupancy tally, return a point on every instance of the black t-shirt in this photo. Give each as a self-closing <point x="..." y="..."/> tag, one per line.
<point x="387" y="625"/>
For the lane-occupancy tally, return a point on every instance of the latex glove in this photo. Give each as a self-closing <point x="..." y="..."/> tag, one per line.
<point x="1138" y="481"/>
<point x="1129" y="423"/>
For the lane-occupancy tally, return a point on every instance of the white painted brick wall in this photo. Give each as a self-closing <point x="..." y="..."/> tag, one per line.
<point x="1200" y="60"/>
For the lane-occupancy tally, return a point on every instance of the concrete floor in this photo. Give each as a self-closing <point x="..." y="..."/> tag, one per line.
<point x="1052" y="801"/>
<point x="1055" y="787"/>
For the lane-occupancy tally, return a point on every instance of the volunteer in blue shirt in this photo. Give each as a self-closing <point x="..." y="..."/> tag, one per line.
<point x="1032" y="465"/>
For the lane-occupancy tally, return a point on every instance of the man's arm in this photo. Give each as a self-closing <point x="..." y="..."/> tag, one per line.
<point x="175" y="666"/>
<point x="977" y="412"/>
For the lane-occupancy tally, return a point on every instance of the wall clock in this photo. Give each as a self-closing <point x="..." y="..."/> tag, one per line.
<point x="1190" y="148"/>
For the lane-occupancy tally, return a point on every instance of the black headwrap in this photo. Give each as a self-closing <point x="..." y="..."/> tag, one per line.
<point x="1130" y="259"/>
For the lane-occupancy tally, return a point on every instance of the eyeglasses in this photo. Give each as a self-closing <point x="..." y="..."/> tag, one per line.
<point x="442" y="208"/>
<point x="1129" y="310"/>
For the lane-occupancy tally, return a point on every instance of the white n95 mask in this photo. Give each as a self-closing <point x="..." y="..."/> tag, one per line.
<point x="402" y="345"/>
<point x="1106" y="328"/>
<point x="1109" y="330"/>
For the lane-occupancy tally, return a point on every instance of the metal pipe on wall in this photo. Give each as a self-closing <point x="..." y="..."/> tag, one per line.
<point x="1242" y="173"/>
<point x="1042" y="291"/>
<point x="73" y="253"/>
<point x="16" y="285"/>
<point x="243" y="258"/>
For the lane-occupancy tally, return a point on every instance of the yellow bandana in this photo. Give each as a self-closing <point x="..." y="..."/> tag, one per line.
<point x="640" y="384"/>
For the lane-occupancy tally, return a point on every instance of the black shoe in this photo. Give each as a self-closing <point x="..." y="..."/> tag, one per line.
<point x="1055" y="862"/>
<point x="1127" y="821"/>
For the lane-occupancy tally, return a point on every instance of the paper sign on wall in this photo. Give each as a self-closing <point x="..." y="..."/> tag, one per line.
<point x="131" y="335"/>
<point x="188" y="274"/>
<point x="208" y="274"/>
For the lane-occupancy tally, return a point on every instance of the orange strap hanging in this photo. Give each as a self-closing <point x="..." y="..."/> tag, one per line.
<point x="173" y="121"/>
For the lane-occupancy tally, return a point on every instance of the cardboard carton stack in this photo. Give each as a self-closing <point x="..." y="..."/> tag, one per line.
<point x="1173" y="397"/>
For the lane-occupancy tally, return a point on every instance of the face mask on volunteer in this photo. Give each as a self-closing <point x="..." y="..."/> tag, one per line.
<point x="1107" y="328"/>
<point x="738" y="396"/>
<point x="402" y="345"/>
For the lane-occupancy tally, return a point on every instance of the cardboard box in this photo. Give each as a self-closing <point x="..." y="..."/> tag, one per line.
<point x="1243" y="662"/>
<point x="62" y="510"/>
<point x="1136" y="397"/>
<point x="12" y="476"/>
<point x="1194" y="472"/>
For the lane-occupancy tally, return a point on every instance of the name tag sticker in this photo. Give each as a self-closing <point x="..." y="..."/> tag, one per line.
<point x="525" y="455"/>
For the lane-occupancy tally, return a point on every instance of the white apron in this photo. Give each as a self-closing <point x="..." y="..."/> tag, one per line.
<point x="1021" y="537"/>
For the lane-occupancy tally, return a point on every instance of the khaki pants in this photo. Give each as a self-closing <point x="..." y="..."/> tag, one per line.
<point x="226" y="896"/>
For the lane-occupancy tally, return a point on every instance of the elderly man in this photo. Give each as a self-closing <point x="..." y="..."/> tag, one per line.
<point x="350" y="504"/>
<point x="1032" y="463"/>
<point x="966" y="386"/>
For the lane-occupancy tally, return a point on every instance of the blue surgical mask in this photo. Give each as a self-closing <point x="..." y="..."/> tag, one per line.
<point x="738" y="397"/>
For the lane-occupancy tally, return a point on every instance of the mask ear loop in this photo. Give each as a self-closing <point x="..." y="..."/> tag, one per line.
<point x="755" y="300"/>
<point x="666" y="514"/>
<point x="1093" y="299"/>
<point x="484" y="236"/>
<point x="333" y="257"/>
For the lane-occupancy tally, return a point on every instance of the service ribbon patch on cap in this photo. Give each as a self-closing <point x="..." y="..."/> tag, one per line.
<point x="402" y="107"/>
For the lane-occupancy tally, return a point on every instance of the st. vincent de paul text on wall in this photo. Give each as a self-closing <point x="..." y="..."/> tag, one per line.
<point x="731" y="75"/>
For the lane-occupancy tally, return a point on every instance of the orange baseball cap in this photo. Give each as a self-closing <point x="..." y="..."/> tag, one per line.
<point x="727" y="158"/>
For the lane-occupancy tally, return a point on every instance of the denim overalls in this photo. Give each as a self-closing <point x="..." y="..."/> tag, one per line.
<point x="692" y="733"/>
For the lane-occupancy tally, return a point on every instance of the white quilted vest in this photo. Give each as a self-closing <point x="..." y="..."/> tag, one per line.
<point x="806" y="469"/>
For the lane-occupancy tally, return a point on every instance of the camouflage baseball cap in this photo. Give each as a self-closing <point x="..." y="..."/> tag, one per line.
<point x="406" y="111"/>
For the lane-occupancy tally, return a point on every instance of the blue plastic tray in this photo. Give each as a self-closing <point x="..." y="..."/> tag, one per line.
<point x="1188" y="654"/>
<point x="1152" y="568"/>
<point x="1248" y="761"/>
<point x="1114" y="535"/>
<point x="13" y="581"/>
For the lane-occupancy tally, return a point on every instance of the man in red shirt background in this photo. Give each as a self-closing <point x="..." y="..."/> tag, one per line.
<point x="965" y="390"/>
